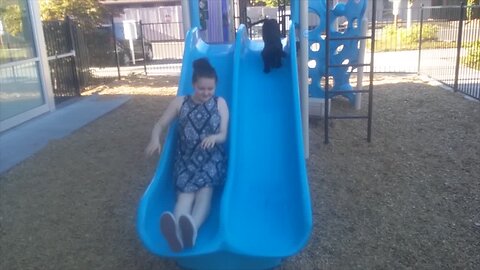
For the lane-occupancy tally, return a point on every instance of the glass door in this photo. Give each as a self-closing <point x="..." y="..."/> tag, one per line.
<point x="21" y="87"/>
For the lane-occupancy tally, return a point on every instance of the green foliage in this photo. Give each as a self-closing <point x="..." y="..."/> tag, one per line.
<point x="393" y="38"/>
<point x="473" y="55"/>
<point x="11" y="16"/>
<point x="85" y="12"/>
<point x="469" y="11"/>
<point x="410" y="35"/>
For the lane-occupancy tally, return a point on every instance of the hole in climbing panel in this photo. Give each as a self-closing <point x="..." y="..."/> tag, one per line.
<point x="345" y="62"/>
<point x="339" y="49"/>
<point x="312" y="63"/>
<point x="341" y="24"/>
<point x="355" y="23"/>
<point x="315" y="47"/>
<point x="313" y="20"/>
<point x="309" y="80"/>
<point x="322" y="82"/>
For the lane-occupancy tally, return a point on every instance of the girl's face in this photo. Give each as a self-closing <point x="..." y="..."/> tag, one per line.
<point x="204" y="89"/>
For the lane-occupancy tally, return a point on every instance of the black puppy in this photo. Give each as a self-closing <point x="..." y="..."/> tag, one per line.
<point x="272" y="52"/>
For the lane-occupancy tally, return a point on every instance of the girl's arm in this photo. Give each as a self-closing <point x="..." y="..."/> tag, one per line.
<point x="221" y="136"/>
<point x="162" y="124"/>
<point x="224" y="115"/>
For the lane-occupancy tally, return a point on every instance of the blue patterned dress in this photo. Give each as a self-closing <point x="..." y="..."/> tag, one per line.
<point x="196" y="167"/>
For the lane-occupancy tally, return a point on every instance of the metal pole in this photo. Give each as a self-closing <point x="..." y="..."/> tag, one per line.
<point x="281" y="16"/>
<point x="186" y="16"/>
<point x="143" y="48"/>
<point x="242" y="5"/>
<point x="327" y="63"/>
<point x="420" y="40"/>
<point x="361" y="59"/>
<point x="303" y="76"/>
<point x="459" y="45"/>
<point x="115" y="48"/>
<point x="372" y="65"/>
<point x="73" y="47"/>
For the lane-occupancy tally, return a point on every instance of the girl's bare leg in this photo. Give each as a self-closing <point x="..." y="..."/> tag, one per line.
<point x="190" y="223"/>
<point x="201" y="206"/>
<point x="184" y="204"/>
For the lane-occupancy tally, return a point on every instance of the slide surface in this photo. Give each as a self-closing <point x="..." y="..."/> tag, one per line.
<point x="160" y="194"/>
<point x="263" y="211"/>
<point x="266" y="207"/>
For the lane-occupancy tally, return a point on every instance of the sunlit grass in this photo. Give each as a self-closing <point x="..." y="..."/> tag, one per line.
<point x="389" y="46"/>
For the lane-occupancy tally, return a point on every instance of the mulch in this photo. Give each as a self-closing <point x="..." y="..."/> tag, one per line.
<point x="410" y="199"/>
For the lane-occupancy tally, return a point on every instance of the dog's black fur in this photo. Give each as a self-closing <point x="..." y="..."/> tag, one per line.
<point x="272" y="52"/>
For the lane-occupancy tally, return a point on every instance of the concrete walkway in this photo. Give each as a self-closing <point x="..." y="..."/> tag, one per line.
<point x="25" y="140"/>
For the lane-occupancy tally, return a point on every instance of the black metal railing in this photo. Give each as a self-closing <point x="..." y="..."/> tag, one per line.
<point x="443" y="40"/>
<point x="82" y="60"/>
<point x="454" y="58"/>
<point x="397" y="39"/>
<point x="64" y="79"/>
<point x="61" y="56"/>
<point x="165" y="42"/>
<point x="154" y="48"/>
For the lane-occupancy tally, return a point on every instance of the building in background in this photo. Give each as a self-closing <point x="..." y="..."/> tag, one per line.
<point x="163" y="19"/>
<point x="159" y="21"/>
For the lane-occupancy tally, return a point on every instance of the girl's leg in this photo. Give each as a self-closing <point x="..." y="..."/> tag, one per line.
<point x="184" y="204"/>
<point x="169" y="221"/>
<point x="189" y="224"/>
<point x="201" y="207"/>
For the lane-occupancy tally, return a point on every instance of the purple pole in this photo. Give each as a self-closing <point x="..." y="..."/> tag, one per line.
<point x="225" y="20"/>
<point x="215" y="23"/>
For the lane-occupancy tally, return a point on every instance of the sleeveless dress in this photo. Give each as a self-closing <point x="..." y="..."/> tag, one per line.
<point x="196" y="167"/>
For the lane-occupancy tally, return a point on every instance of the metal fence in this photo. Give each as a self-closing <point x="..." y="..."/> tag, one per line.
<point x="81" y="56"/>
<point x="70" y="55"/>
<point x="155" y="48"/>
<point x="441" y="42"/>
<point x="454" y="58"/>
<point x="61" y="58"/>
<point x="167" y="43"/>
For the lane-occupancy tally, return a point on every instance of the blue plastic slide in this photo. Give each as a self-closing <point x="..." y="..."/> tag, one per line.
<point x="263" y="213"/>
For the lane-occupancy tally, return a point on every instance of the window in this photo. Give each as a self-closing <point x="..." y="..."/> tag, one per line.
<point x="16" y="37"/>
<point x="21" y="89"/>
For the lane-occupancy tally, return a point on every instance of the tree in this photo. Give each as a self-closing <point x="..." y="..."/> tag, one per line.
<point x="11" y="16"/>
<point x="469" y="9"/>
<point x="85" y="12"/>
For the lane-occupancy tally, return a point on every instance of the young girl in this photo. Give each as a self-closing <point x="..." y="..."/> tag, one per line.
<point x="200" y="162"/>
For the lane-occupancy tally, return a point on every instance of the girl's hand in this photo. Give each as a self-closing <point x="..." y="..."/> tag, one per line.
<point x="153" y="146"/>
<point x="209" y="142"/>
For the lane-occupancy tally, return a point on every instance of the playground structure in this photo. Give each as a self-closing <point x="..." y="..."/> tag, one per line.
<point x="263" y="213"/>
<point x="345" y="42"/>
